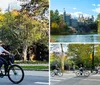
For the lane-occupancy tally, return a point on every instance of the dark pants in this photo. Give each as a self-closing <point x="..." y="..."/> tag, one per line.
<point x="3" y="61"/>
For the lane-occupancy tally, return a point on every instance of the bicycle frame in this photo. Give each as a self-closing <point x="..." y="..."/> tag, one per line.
<point x="6" y="63"/>
<point x="56" y="72"/>
<point x="9" y="67"/>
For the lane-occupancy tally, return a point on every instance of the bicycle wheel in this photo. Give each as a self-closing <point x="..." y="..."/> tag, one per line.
<point x="53" y="74"/>
<point x="15" y="74"/>
<point x="94" y="72"/>
<point x="77" y="73"/>
<point x="86" y="73"/>
<point x="60" y="73"/>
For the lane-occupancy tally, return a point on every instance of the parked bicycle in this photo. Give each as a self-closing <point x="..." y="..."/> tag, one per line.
<point x="57" y="73"/>
<point x="14" y="72"/>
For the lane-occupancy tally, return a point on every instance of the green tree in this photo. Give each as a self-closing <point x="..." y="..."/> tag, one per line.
<point x="56" y="19"/>
<point x="22" y="29"/>
<point x="98" y="23"/>
<point x="81" y="53"/>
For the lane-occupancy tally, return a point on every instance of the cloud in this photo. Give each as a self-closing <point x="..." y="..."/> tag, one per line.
<point x="93" y="5"/>
<point x="60" y="12"/>
<point x="74" y="8"/>
<point x="98" y="5"/>
<point x="97" y="10"/>
<point x="76" y="14"/>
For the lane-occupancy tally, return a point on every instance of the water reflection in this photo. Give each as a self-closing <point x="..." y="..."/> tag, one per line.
<point x="76" y="38"/>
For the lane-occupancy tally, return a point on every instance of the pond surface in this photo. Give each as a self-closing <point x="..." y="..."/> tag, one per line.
<point x="76" y="38"/>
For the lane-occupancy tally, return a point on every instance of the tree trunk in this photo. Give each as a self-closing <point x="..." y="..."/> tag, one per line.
<point x="62" y="58"/>
<point x="25" y="47"/>
<point x="62" y="62"/>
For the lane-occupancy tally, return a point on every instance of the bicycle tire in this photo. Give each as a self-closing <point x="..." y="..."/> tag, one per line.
<point x="77" y="73"/>
<point x="60" y="74"/>
<point x="52" y="74"/>
<point x="12" y="68"/>
<point x="86" y="74"/>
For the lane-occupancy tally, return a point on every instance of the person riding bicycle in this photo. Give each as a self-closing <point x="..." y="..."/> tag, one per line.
<point x="56" y="68"/>
<point x="2" y="53"/>
<point x="97" y="69"/>
<point x="81" y="69"/>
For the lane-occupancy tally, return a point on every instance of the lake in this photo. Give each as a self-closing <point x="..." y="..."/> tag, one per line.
<point x="76" y="38"/>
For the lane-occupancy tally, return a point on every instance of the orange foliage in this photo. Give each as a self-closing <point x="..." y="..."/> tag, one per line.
<point x="15" y="12"/>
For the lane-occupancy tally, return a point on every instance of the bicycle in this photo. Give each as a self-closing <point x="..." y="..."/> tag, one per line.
<point x="56" y="72"/>
<point x="82" y="73"/>
<point x="96" y="71"/>
<point x="14" y="72"/>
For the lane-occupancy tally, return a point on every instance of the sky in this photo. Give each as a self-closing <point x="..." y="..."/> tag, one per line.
<point x="76" y="7"/>
<point x="13" y="4"/>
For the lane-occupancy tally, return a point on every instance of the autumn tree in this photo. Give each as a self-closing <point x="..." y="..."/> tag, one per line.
<point x="58" y="26"/>
<point x="20" y="28"/>
<point x="82" y="54"/>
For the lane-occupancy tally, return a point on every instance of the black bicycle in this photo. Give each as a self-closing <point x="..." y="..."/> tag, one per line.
<point x="14" y="72"/>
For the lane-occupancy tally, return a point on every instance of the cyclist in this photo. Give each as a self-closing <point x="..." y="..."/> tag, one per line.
<point x="81" y="69"/>
<point x="2" y="53"/>
<point x="56" y="69"/>
<point x="97" y="69"/>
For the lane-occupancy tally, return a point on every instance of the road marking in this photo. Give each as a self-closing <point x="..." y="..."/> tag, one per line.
<point x="44" y="83"/>
<point x="59" y="78"/>
<point x="55" y="80"/>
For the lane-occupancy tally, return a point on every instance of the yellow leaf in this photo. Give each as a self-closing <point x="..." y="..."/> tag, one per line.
<point x="55" y="25"/>
<point x="15" y="12"/>
<point x="1" y="17"/>
<point x="91" y="56"/>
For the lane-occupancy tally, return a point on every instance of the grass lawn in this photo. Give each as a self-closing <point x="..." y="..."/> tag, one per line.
<point x="30" y="62"/>
<point x="35" y="67"/>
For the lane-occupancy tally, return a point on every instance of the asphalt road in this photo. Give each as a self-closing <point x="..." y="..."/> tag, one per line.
<point x="71" y="79"/>
<point x="31" y="78"/>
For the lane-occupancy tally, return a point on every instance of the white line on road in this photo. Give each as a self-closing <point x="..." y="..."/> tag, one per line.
<point x="55" y="80"/>
<point x="58" y="78"/>
<point x="44" y="83"/>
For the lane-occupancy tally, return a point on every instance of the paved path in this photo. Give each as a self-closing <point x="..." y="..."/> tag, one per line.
<point x="33" y="64"/>
<point x="56" y="79"/>
<point x="71" y="79"/>
<point x="31" y="78"/>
